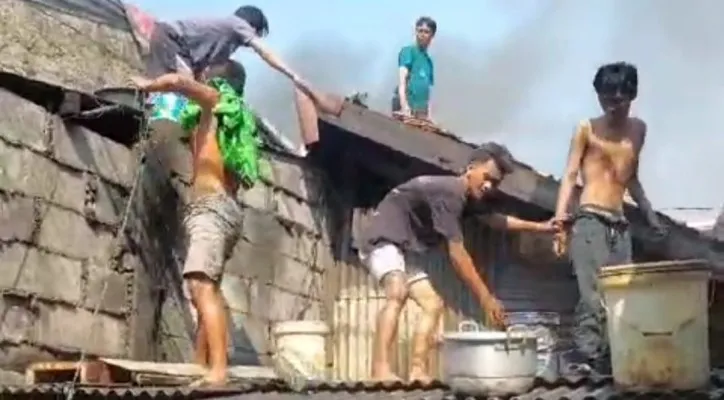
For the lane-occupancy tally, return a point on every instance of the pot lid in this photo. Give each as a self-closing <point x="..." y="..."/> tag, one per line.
<point x="516" y="332"/>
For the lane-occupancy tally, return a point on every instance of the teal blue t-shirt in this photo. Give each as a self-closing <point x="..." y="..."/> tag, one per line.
<point x="420" y="78"/>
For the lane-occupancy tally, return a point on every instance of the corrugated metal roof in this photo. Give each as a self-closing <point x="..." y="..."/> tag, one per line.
<point x="701" y="218"/>
<point x="563" y="389"/>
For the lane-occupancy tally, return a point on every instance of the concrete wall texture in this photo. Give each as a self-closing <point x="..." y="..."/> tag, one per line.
<point x="63" y="189"/>
<point x="55" y="233"/>
<point x="44" y="44"/>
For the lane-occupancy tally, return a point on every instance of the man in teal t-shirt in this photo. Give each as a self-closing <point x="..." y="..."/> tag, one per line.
<point x="416" y="73"/>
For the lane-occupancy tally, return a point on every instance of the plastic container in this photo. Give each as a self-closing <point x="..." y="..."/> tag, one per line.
<point x="658" y="324"/>
<point x="167" y="106"/>
<point x="302" y="345"/>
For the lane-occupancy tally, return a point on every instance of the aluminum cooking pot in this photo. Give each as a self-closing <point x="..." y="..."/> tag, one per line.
<point x="490" y="363"/>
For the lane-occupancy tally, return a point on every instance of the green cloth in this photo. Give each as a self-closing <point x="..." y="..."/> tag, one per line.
<point x="236" y="131"/>
<point x="420" y="76"/>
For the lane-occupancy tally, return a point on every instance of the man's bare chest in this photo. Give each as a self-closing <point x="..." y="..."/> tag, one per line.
<point x="617" y="156"/>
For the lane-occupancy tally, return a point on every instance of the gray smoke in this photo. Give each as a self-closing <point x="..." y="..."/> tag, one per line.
<point x="531" y="88"/>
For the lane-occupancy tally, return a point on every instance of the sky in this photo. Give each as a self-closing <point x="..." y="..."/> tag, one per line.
<point x="518" y="72"/>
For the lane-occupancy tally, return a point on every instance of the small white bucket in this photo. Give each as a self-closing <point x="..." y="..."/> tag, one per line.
<point x="302" y="344"/>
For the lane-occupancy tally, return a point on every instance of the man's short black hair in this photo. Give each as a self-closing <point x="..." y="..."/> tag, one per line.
<point x="232" y="71"/>
<point x="427" y="21"/>
<point x="617" y="78"/>
<point x="255" y="17"/>
<point x="498" y="153"/>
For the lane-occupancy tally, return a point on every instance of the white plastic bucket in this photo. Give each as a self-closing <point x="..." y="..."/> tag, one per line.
<point x="658" y="324"/>
<point x="302" y="344"/>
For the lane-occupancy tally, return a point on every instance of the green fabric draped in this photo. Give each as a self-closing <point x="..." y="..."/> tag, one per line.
<point x="236" y="131"/>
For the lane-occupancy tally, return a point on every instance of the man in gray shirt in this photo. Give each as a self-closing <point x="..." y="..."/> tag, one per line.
<point x="190" y="46"/>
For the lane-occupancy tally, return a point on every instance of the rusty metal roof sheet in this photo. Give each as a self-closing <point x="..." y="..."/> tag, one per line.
<point x="562" y="389"/>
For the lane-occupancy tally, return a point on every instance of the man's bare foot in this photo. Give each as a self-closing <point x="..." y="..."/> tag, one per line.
<point x="418" y="375"/>
<point x="386" y="378"/>
<point x="212" y="379"/>
<point x="384" y="375"/>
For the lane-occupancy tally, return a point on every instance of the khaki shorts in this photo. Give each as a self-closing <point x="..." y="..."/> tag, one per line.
<point x="386" y="258"/>
<point x="213" y="226"/>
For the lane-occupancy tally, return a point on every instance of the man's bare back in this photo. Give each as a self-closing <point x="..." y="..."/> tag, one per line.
<point x="209" y="173"/>
<point x="609" y="160"/>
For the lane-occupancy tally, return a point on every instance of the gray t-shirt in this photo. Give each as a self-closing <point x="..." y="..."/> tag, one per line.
<point x="212" y="41"/>
<point x="418" y="214"/>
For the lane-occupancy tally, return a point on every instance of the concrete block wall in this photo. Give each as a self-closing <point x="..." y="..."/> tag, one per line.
<point x="43" y="43"/>
<point x="277" y="269"/>
<point x="62" y="189"/>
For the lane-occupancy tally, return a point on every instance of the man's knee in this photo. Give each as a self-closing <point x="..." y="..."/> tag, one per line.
<point x="395" y="287"/>
<point x="432" y="304"/>
<point x="426" y="297"/>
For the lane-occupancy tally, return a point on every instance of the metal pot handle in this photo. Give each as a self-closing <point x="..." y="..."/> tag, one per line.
<point x="512" y="329"/>
<point x="474" y="327"/>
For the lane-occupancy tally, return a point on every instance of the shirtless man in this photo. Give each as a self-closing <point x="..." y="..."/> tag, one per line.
<point x="417" y="215"/>
<point x="212" y="222"/>
<point x="605" y="150"/>
<point x="213" y="217"/>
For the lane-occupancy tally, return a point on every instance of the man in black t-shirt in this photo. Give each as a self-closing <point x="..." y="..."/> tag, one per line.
<point x="417" y="215"/>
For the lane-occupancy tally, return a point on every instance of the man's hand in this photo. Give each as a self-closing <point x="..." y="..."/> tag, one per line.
<point x="549" y="226"/>
<point x="560" y="243"/>
<point x="495" y="312"/>
<point x="405" y="110"/>
<point x="140" y="82"/>
<point x="562" y="224"/>
<point x="659" y="228"/>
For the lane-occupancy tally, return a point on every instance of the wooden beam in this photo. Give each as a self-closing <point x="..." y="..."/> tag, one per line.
<point x="450" y="154"/>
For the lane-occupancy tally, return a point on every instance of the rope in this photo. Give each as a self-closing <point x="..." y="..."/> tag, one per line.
<point x="115" y="245"/>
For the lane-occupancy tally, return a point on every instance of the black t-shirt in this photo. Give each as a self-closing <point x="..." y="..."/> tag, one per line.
<point x="418" y="214"/>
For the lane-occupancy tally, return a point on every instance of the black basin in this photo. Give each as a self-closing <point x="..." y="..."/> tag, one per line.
<point x="126" y="96"/>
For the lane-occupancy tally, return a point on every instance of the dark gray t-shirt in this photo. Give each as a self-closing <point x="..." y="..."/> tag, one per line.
<point x="212" y="41"/>
<point x="418" y="214"/>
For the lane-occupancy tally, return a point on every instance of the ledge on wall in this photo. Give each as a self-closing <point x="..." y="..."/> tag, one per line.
<point x="118" y="122"/>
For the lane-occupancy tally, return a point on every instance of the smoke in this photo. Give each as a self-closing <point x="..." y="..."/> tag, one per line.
<point x="529" y="89"/>
<point x="677" y="50"/>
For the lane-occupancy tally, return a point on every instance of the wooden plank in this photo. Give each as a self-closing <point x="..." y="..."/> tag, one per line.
<point x="450" y="154"/>
<point x="91" y="372"/>
<point x="188" y="370"/>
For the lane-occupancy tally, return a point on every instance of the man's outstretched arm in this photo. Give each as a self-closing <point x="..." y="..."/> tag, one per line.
<point x="465" y="268"/>
<point x="511" y="223"/>
<point x="325" y="103"/>
<point x="205" y="96"/>
<point x="272" y="59"/>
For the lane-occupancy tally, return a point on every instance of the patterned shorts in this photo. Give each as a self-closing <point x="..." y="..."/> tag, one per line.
<point x="213" y="226"/>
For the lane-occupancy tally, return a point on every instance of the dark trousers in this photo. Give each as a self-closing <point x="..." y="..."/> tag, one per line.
<point x="167" y="53"/>
<point x="600" y="237"/>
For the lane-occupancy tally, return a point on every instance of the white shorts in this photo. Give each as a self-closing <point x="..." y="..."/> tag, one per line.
<point x="387" y="258"/>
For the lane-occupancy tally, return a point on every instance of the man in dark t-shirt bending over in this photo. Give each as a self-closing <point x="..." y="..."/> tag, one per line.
<point x="417" y="215"/>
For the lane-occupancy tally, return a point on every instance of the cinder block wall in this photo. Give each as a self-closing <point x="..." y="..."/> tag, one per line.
<point x="56" y="246"/>
<point x="53" y="246"/>
<point x="54" y="239"/>
<point x="44" y="44"/>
